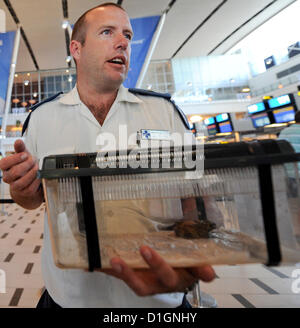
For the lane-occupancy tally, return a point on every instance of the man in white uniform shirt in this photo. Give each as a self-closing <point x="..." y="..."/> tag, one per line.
<point x="71" y="123"/>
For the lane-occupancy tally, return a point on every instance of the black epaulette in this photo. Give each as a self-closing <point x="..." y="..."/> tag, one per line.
<point x="166" y="96"/>
<point x="34" y="107"/>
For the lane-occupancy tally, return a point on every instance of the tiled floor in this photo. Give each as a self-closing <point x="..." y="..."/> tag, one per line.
<point x="21" y="240"/>
<point x="20" y="248"/>
<point x="253" y="285"/>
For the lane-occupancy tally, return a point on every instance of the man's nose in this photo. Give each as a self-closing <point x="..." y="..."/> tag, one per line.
<point x="121" y="42"/>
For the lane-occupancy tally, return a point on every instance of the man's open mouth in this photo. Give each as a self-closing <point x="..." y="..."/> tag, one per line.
<point x="118" y="60"/>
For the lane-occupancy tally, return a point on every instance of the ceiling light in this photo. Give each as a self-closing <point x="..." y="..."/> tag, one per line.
<point x="26" y="82"/>
<point x="28" y="74"/>
<point x="35" y="94"/>
<point x="196" y="118"/>
<point x="67" y="71"/>
<point x="16" y="75"/>
<point x="68" y="59"/>
<point x="246" y="90"/>
<point x="70" y="79"/>
<point x="149" y="86"/>
<point x="280" y="86"/>
<point x="64" y="24"/>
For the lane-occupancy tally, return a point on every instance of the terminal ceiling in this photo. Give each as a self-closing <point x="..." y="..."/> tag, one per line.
<point x="192" y="27"/>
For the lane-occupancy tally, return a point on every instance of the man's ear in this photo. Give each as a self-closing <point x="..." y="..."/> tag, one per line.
<point x="75" y="48"/>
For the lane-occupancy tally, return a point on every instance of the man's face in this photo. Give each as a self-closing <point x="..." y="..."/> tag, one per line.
<point x="105" y="55"/>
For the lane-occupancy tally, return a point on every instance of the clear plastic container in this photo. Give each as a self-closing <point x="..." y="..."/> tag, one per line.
<point x="148" y="209"/>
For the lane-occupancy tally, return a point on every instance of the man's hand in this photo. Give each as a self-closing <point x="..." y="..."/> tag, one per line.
<point x="160" y="277"/>
<point x="19" y="171"/>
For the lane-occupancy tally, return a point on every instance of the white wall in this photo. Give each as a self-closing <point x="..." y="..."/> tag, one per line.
<point x="215" y="107"/>
<point x="279" y="92"/>
<point x="269" y="77"/>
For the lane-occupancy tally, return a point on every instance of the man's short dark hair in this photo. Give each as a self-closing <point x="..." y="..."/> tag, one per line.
<point x="79" y="29"/>
<point x="297" y="117"/>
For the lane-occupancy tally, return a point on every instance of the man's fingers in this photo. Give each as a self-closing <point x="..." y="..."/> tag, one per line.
<point x="205" y="273"/>
<point x="33" y="188"/>
<point x="10" y="161"/>
<point x="165" y="273"/>
<point x="28" y="180"/>
<point x="122" y="271"/>
<point x="18" y="170"/>
<point x="19" y="146"/>
<point x="160" y="277"/>
<point x="21" y="155"/>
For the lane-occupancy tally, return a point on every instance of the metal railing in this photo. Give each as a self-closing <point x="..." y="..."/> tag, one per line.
<point x="281" y="83"/>
<point x="32" y="87"/>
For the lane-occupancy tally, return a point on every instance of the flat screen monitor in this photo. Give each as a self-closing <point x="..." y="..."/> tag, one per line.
<point x="260" y="120"/>
<point x="270" y="62"/>
<point x="212" y="129"/>
<point x="222" y="117"/>
<point x="256" y="108"/>
<point x="225" y="127"/>
<point x="294" y="49"/>
<point x="209" y="121"/>
<point x="279" y="101"/>
<point x="284" y="115"/>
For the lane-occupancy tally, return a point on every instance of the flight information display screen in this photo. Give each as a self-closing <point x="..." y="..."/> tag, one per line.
<point x="212" y="129"/>
<point x="209" y="121"/>
<point x="256" y="108"/>
<point x="222" y="117"/>
<point x="279" y="101"/>
<point x="260" y="120"/>
<point x="284" y="115"/>
<point x="225" y="127"/>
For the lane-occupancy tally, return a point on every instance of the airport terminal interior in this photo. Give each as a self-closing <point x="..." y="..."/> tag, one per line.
<point x="233" y="68"/>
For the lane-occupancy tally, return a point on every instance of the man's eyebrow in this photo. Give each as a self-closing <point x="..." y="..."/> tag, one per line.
<point x="114" y="27"/>
<point x="105" y="26"/>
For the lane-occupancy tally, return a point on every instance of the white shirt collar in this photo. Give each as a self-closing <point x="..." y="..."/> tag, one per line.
<point x="72" y="97"/>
